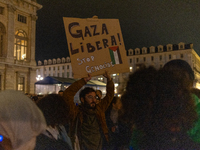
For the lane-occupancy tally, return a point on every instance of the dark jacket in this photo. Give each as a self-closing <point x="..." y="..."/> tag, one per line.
<point x="76" y="111"/>
<point x="43" y="142"/>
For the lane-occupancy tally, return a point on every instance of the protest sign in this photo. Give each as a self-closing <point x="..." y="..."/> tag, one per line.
<point x="95" y="45"/>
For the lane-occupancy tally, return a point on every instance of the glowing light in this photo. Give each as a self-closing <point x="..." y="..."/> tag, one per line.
<point x="38" y="78"/>
<point x="131" y="69"/>
<point x="23" y="56"/>
<point x="197" y="85"/>
<point x="114" y="75"/>
<point x="1" y="138"/>
<point x="116" y="84"/>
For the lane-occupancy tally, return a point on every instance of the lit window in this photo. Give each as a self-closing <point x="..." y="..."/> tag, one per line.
<point x="21" y="84"/>
<point x="20" y="48"/>
<point x="21" y="18"/>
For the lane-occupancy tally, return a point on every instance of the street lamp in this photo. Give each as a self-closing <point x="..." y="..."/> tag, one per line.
<point x="38" y="78"/>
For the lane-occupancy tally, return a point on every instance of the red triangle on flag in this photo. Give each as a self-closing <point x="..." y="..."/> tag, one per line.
<point x="114" y="48"/>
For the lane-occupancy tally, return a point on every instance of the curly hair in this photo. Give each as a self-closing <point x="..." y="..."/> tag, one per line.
<point x="156" y="101"/>
<point x="173" y="105"/>
<point x="54" y="108"/>
<point x="138" y="97"/>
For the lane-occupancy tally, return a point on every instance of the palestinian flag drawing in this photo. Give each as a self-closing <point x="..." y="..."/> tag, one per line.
<point x="115" y="55"/>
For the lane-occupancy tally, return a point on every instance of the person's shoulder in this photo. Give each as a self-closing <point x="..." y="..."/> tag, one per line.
<point x="43" y="143"/>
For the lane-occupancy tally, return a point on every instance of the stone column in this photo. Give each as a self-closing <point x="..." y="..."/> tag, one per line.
<point x="10" y="33"/>
<point x="32" y="40"/>
<point x="32" y="80"/>
<point x="70" y="72"/>
<point x="9" y="78"/>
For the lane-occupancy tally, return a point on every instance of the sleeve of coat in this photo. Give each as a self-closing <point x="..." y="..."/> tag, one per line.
<point x="105" y="102"/>
<point x="69" y="94"/>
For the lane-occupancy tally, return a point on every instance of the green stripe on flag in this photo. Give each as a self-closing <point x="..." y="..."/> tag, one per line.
<point x="112" y="57"/>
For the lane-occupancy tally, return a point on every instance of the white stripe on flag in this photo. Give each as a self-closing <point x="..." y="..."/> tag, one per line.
<point x="116" y="57"/>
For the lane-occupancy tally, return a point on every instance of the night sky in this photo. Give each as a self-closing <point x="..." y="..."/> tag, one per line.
<point x="143" y="22"/>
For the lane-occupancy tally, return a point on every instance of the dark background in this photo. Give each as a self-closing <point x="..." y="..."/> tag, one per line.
<point x="143" y="22"/>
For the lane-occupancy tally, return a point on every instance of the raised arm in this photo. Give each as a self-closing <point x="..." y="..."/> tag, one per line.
<point x="71" y="91"/>
<point x="105" y="102"/>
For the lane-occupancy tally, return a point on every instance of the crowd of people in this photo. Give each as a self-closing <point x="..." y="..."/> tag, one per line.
<point x="159" y="110"/>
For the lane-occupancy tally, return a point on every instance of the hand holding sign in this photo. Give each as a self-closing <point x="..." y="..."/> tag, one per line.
<point x="87" y="78"/>
<point x="107" y="75"/>
<point x="95" y="45"/>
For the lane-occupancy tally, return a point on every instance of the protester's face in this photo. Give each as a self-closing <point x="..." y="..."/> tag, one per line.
<point x="90" y="100"/>
<point x="117" y="105"/>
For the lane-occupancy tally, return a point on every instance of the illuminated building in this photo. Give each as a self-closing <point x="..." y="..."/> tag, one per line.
<point x="158" y="56"/>
<point x="151" y="56"/>
<point x="17" y="44"/>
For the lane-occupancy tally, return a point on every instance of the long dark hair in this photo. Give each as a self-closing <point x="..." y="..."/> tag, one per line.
<point x="173" y="104"/>
<point x="138" y="97"/>
<point x="54" y="108"/>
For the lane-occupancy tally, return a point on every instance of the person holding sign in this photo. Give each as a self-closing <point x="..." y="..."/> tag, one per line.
<point x="87" y="121"/>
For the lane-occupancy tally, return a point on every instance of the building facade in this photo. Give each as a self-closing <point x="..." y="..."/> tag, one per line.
<point x="17" y="44"/>
<point x="146" y="56"/>
<point x="158" y="56"/>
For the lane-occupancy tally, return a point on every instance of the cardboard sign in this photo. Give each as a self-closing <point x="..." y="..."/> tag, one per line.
<point x="95" y="45"/>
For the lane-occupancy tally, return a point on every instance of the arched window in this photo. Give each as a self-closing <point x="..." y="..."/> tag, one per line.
<point x="63" y="60"/>
<point x="39" y="63"/>
<point x="2" y="38"/>
<point x="68" y="59"/>
<point x="54" y="61"/>
<point x="49" y="62"/>
<point x="58" y="60"/>
<point x="20" y="49"/>
<point x="45" y="62"/>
